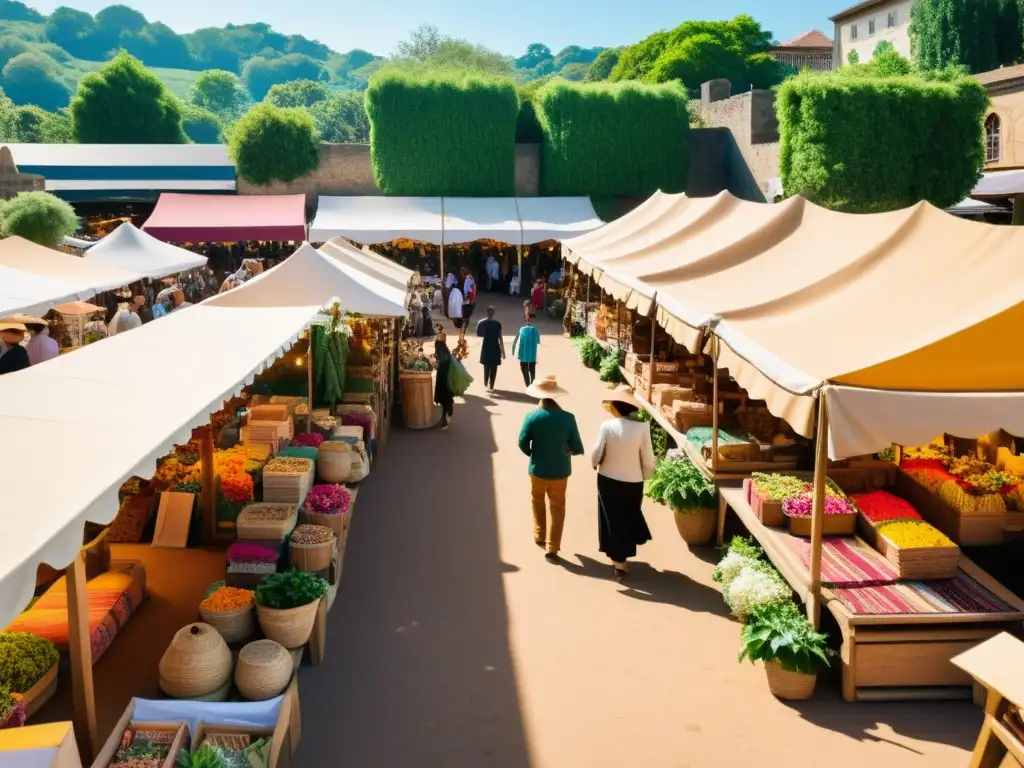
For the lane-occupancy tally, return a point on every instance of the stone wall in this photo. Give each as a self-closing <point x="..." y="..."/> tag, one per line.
<point x="752" y="160"/>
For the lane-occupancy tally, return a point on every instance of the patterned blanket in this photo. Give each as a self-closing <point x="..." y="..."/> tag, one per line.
<point x="846" y="562"/>
<point x="960" y="595"/>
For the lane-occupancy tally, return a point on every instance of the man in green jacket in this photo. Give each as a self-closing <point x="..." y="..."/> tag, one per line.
<point x="550" y="438"/>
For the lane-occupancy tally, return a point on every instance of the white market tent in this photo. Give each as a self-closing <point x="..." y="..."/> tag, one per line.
<point x="88" y="279"/>
<point x="481" y="218"/>
<point x="131" y="249"/>
<point x="378" y="219"/>
<point x="35" y="294"/>
<point x="370" y="263"/>
<point x="555" y="218"/>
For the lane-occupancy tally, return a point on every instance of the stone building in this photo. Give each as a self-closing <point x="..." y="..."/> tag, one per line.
<point x="811" y="50"/>
<point x="863" y="26"/>
<point x="1004" y="124"/>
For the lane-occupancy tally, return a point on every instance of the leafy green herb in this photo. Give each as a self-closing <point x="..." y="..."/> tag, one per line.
<point x="659" y="437"/>
<point x="782" y="633"/>
<point x="611" y="367"/>
<point x="591" y="352"/>
<point x="291" y="589"/>
<point x="207" y="756"/>
<point x="24" y="659"/>
<point x="888" y="454"/>
<point x="680" y="485"/>
<point x="746" y="547"/>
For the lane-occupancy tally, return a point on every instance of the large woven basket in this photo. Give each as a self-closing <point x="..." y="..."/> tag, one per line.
<point x="291" y="627"/>
<point x="334" y="462"/>
<point x="263" y="671"/>
<point x="696" y="525"/>
<point x="791" y="686"/>
<point x="234" y="626"/>
<point x="196" y="663"/>
<point x="312" y="557"/>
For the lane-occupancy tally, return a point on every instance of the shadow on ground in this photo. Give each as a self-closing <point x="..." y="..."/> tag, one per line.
<point x="418" y="670"/>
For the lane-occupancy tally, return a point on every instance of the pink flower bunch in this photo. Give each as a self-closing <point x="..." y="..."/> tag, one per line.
<point x="244" y="552"/>
<point x="328" y="499"/>
<point x="308" y="440"/>
<point x="800" y="506"/>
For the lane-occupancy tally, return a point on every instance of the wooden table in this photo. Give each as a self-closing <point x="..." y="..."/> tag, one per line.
<point x="998" y="665"/>
<point x="887" y="657"/>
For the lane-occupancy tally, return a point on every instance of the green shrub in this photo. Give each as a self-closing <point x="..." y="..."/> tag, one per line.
<point x="591" y="352"/>
<point x="680" y="485"/>
<point x="831" y="153"/>
<point x="623" y="139"/>
<point x="781" y="632"/>
<point x="291" y="589"/>
<point x="437" y="132"/>
<point x="272" y="144"/>
<point x="24" y="659"/>
<point x="611" y="367"/>
<point x="201" y="125"/>
<point x="39" y="217"/>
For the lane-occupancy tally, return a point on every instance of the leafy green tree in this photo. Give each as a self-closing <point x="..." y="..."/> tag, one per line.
<point x="157" y="45"/>
<point x="33" y="78"/>
<point x="695" y="60"/>
<point x="602" y="66"/>
<point x="963" y="32"/>
<point x="853" y="58"/>
<point x="1009" y="32"/>
<point x="219" y="91"/>
<point x="306" y="47"/>
<point x="423" y="42"/>
<point x="200" y="125"/>
<point x="10" y="47"/>
<point x="458" y="54"/>
<point x="12" y="10"/>
<point x="889" y="63"/>
<point x="71" y="30"/>
<point x="535" y="54"/>
<point x="341" y="119"/>
<point x="271" y="144"/>
<point x="39" y="217"/>
<point x="298" y="93"/>
<point x="261" y="74"/>
<point x="125" y="104"/>
<point x="575" y="72"/>
<point x="528" y="130"/>
<point x="35" y="126"/>
<point x="574" y="54"/>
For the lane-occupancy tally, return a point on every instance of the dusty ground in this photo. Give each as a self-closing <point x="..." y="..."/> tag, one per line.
<point x="454" y="643"/>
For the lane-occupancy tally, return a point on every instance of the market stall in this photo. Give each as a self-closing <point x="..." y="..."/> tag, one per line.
<point x="179" y="218"/>
<point x="35" y="294"/>
<point x="133" y="250"/>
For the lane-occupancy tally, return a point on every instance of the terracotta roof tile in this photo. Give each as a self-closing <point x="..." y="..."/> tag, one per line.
<point x="1000" y="75"/>
<point x="812" y="39"/>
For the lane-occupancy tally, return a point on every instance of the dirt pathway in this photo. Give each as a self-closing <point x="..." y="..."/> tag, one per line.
<point x="454" y="643"/>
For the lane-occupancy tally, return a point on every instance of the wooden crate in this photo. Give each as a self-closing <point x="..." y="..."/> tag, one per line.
<point x="832" y="525"/>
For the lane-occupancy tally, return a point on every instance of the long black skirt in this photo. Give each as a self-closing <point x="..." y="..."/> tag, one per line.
<point x="621" y="526"/>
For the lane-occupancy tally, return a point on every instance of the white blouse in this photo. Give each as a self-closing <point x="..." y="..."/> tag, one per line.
<point x="624" y="451"/>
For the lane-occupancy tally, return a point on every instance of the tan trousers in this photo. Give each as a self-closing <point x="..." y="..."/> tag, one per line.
<point x="554" y="490"/>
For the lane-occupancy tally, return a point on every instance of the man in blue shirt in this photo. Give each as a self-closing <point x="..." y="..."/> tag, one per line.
<point x="550" y="438"/>
<point x="526" y="342"/>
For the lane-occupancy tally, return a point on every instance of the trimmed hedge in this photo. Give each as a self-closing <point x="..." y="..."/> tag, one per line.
<point x="623" y="139"/>
<point x="862" y="144"/>
<point x="442" y="133"/>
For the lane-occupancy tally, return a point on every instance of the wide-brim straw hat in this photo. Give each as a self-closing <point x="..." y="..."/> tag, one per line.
<point x="546" y="388"/>
<point x="8" y="325"/>
<point x="621" y="394"/>
<point x="24" y="319"/>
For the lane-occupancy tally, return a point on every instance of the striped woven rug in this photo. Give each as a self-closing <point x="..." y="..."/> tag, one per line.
<point x="960" y="595"/>
<point x="846" y="562"/>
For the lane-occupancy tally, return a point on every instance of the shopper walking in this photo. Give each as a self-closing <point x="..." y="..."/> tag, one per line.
<point x="455" y="307"/>
<point x="623" y="458"/>
<point x="40" y="347"/>
<point x="524" y="347"/>
<point x="492" y="349"/>
<point x="550" y="438"/>
<point x="468" y="295"/>
<point x="443" y="394"/>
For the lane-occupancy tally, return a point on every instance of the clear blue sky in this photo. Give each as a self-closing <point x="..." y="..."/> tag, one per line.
<point x="509" y="27"/>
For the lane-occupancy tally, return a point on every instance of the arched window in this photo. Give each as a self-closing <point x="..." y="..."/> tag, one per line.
<point x="993" y="139"/>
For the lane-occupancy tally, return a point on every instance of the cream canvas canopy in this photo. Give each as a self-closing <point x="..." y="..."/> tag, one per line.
<point x="131" y="249"/>
<point x="378" y="219"/>
<point x="481" y="218"/>
<point x="35" y="294"/>
<point x="89" y="279"/>
<point x="370" y="263"/>
<point x="904" y="303"/>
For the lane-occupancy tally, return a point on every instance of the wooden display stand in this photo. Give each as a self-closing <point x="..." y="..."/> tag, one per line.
<point x="418" y="399"/>
<point x="998" y="666"/>
<point x="888" y="657"/>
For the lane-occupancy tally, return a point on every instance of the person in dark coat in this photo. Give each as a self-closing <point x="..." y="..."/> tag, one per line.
<point x="492" y="350"/>
<point x="13" y="356"/>
<point x="443" y="394"/>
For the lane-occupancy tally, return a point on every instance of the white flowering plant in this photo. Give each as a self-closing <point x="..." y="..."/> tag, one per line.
<point x="756" y="585"/>
<point x="729" y="567"/>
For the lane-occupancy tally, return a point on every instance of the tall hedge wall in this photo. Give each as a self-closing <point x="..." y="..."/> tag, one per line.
<point x="623" y="139"/>
<point x="866" y="145"/>
<point x="434" y="133"/>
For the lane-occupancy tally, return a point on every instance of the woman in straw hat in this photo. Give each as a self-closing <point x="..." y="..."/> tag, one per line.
<point x="13" y="356"/>
<point x="623" y="458"/>
<point x="550" y="438"/>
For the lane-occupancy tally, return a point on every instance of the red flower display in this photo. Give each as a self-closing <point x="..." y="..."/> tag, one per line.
<point x="882" y="507"/>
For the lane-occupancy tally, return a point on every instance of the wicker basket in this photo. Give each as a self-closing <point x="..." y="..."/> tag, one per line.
<point x="696" y="525"/>
<point x="291" y="627"/>
<point x="790" y="686"/>
<point x="221" y="694"/>
<point x="312" y="557"/>
<point x="40" y="693"/>
<point x="334" y="462"/>
<point x="234" y="626"/>
<point x="832" y="525"/>
<point x="196" y="663"/>
<point x="263" y="671"/>
<point x="335" y="522"/>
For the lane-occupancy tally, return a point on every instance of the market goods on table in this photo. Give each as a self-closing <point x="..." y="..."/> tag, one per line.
<point x="232" y="747"/>
<point x="231" y="611"/>
<point x="12" y="709"/>
<point x="28" y="668"/>
<point x="287" y="480"/>
<point x="311" y="547"/>
<point x="879" y="507"/>
<point x="266" y="521"/>
<point x="196" y="663"/>
<point x="286" y="605"/>
<point x="308" y="440"/>
<point x="150" y="745"/>
<point x="263" y="671"/>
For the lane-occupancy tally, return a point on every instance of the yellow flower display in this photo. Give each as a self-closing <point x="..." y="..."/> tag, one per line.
<point x="911" y="534"/>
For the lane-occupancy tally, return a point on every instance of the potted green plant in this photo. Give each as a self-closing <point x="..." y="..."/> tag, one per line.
<point x="286" y="605"/>
<point x="680" y="485"/>
<point x="28" y="666"/>
<point x="792" y="651"/>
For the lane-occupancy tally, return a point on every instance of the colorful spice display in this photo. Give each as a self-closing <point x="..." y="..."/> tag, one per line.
<point x="979" y="477"/>
<point x="237" y="488"/>
<point x="328" y="499"/>
<point x="801" y="506"/>
<point x="24" y="659"/>
<point x="775" y="487"/>
<point x="882" y="507"/>
<point x="312" y="534"/>
<point x="913" y="534"/>
<point x="227" y="599"/>
<point x="269" y="512"/>
<point x="244" y="552"/>
<point x="289" y="465"/>
<point x="308" y="440"/>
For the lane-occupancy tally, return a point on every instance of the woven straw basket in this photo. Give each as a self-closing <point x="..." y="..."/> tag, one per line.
<point x="291" y="627"/>
<point x="696" y="525"/>
<point x="263" y="671"/>
<point x="791" y="686"/>
<point x="334" y="462"/>
<point x="234" y="626"/>
<point x="196" y="663"/>
<point x="312" y="557"/>
<point x="335" y="522"/>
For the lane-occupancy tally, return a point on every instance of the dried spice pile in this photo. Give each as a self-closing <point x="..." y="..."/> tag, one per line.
<point x="268" y="512"/>
<point x="312" y="534"/>
<point x="289" y="465"/>
<point x="227" y="599"/>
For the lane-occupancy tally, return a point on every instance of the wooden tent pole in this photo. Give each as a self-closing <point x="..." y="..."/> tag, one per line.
<point x="714" y="404"/>
<point x="519" y="257"/>
<point x="208" y="479"/>
<point x="80" y="648"/>
<point x="586" y="309"/>
<point x="650" y="377"/>
<point x="309" y="382"/>
<point x="818" y="511"/>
